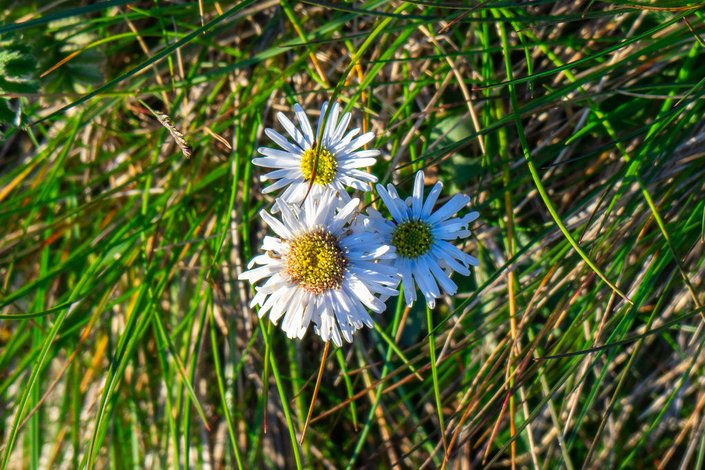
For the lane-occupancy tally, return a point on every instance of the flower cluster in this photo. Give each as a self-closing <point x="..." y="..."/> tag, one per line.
<point x="329" y="263"/>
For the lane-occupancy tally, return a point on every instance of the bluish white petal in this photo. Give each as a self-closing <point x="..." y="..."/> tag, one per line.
<point x="431" y="200"/>
<point x="417" y="199"/>
<point x="448" y="209"/>
<point x="391" y="205"/>
<point x="429" y="271"/>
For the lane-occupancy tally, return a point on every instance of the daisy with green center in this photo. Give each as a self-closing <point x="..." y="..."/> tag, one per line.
<point x="425" y="257"/>
<point x="319" y="271"/>
<point x="336" y="167"/>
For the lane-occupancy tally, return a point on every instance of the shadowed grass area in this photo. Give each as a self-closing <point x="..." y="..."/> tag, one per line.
<point x="129" y="205"/>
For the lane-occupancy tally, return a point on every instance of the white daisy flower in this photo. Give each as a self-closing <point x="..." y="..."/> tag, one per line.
<point x="421" y="238"/>
<point x="317" y="270"/>
<point x="338" y="157"/>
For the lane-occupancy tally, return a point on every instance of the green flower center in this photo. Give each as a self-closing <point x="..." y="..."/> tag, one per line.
<point x="325" y="169"/>
<point x="412" y="238"/>
<point x="316" y="262"/>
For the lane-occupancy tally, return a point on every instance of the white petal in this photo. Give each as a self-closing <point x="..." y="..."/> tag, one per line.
<point x="320" y="119"/>
<point x="305" y="319"/>
<point x="344" y="314"/>
<point x="294" y="314"/>
<point x="261" y="259"/>
<point x="281" y="141"/>
<point x="357" y="163"/>
<point x="254" y="275"/>
<point x="401" y="205"/>
<point x="359" y="314"/>
<point x="274" y="283"/>
<point x="281" y="307"/>
<point x="304" y="123"/>
<point x="471" y="217"/>
<point x="330" y="124"/>
<point x="272" y="244"/>
<point x="340" y="129"/>
<point x="290" y="129"/>
<point x="407" y="280"/>
<point x="278" y="185"/>
<point x="426" y="282"/>
<point x="343" y="216"/>
<point x="275" y="299"/>
<point x="333" y="334"/>
<point x="417" y="200"/>
<point x="276" y="225"/>
<point x="293" y="194"/>
<point x="342" y="145"/>
<point x="360" y="141"/>
<point x="290" y="173"/>
<point x="286" y="161"/>
<point x="365" y="296"/>
<point x="449" y="258"/>
<point x="352" y="182"/>
<point x="363" y="154"/>
<point x="290" y="216"/>
<point x="450" y="229"/>
<point x="455" y="252"/>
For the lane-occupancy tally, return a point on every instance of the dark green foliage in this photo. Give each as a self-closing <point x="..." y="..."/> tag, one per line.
<point x="17" y="76"/>
<point x="59" y="40"/>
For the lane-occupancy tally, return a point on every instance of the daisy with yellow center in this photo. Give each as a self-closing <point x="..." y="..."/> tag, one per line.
<point x="319" y="271"/>
<point x="331" y="164"/>
<point x="421" y="238"/>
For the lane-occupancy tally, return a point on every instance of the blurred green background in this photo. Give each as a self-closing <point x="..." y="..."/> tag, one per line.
<point x="577" y="128"/>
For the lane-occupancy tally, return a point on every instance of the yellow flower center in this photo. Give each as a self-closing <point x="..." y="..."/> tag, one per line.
<point x="325" y="167"/>
<point x="412" y="238"/>
<point x="316" y="262"/>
